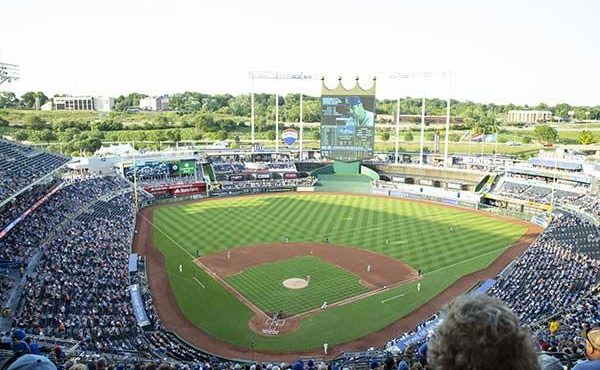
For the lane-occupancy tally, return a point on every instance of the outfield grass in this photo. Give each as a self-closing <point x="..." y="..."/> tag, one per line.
<point x="445" y="243"/>
<point x="262" y="284"/>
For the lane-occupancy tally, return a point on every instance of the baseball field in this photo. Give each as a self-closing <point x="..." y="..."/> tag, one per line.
<point x="361" y="262"/>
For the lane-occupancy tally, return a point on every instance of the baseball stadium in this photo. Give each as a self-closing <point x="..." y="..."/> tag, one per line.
<point x="312" y="222"/>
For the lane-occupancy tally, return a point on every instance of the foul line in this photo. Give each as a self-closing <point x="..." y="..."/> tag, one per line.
<point x="196" y="260"/>
<point x="231" y="289"/>
<point x="394" y="297"/>
<point x="199" y="282"/>
<point x="171" y="239"/>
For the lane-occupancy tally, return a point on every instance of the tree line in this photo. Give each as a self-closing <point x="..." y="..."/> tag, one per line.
<point x="197" y="116"/>
<point x="289" y="109"/>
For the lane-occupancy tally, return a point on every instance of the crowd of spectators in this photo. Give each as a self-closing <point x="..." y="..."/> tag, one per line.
<point x="24" y="239"/>
<point x="280" y="183"/>
<point x="6" y="286"/>
<point x="22" y="202"/>
<point x="551" y="275"/>
<point x="536" y="194"/>
<point x="79" y="289"/>
<point x="22" y="165"/>
<point x="174" y="180"/>
<point x="589" y="203"/>
<point x="561" y="331"/>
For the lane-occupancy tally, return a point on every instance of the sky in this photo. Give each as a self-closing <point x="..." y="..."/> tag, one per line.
<point x="524" y="52"/>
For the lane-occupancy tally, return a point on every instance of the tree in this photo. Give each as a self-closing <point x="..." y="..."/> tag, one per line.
<point x="206" y="122"/>
<point x="174" y="135"/>
<point x="8" y="100"/>
<point x="33" y="100"/>
<point x="45" y="136"/>
<point x="70" y="134"/>
<point x="240" y="105"/>
<point x="545" y="134"/>
<point x="21" y="135"/>
<point x="37" y="123"/>
<point x="454" y="137"/>
<point x="222" y="135"/>
<point x="409" y="136"/>
<point x="585" y="137"/>
<point x="3" y="122"/>
<point x="385" y="136"/>
<point x="121" y="103"/>
<point x="270" y="135"/>
<point x="90" y="145"/>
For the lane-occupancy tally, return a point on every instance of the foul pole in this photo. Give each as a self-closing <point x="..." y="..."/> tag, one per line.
<point x="301" y="125"/>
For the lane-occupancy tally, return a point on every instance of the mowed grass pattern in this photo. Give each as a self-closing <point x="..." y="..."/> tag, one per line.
<point x="263" y="284"/>
<point x="426" y="236"/>
<point x="445" y="243"/>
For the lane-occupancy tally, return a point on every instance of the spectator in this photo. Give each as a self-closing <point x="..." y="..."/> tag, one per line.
<point x="32" y="362"/>
<point x="481" y="333"/>
<point x="592" y="351"/>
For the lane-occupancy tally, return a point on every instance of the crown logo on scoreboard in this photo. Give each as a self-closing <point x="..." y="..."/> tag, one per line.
<point x="339" y="89"/>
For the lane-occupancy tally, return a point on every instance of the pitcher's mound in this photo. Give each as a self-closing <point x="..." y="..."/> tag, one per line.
<point x="295" y="283"/>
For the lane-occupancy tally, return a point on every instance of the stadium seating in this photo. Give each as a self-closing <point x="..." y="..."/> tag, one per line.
<point x="551" y="275"/>
<point x="78" y="288"/>
<point x="23" y="240"/>
<point x="22" y="165"/>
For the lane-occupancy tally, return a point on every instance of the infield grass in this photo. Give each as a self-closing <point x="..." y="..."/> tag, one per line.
<point x="263" y="284"/>
<point x="445" y="243"/>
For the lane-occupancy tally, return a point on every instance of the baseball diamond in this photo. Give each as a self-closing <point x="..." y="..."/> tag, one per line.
<point x="236" y="252"/>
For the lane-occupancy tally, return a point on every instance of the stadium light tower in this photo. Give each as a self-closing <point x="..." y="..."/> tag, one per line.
<point x="271" y="75"/>
<point x="397" y="76"/>
<point x="8" y="72"/>
<point x="424" y="76"/>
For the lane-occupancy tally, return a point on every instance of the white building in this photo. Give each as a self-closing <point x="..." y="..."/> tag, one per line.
<point x="116" y="150"/>
<point x="80" y="103"/>
<point x="154" y="103"/>
<point x="529" y="116"/>
<point x="103" y="103"/>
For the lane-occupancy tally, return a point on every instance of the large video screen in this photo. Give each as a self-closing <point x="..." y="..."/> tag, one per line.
<point x="347" y="126"/>
<point x="161" y="168"/>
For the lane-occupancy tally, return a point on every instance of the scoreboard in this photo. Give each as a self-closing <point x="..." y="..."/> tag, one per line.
<point x="347" y="123"/>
